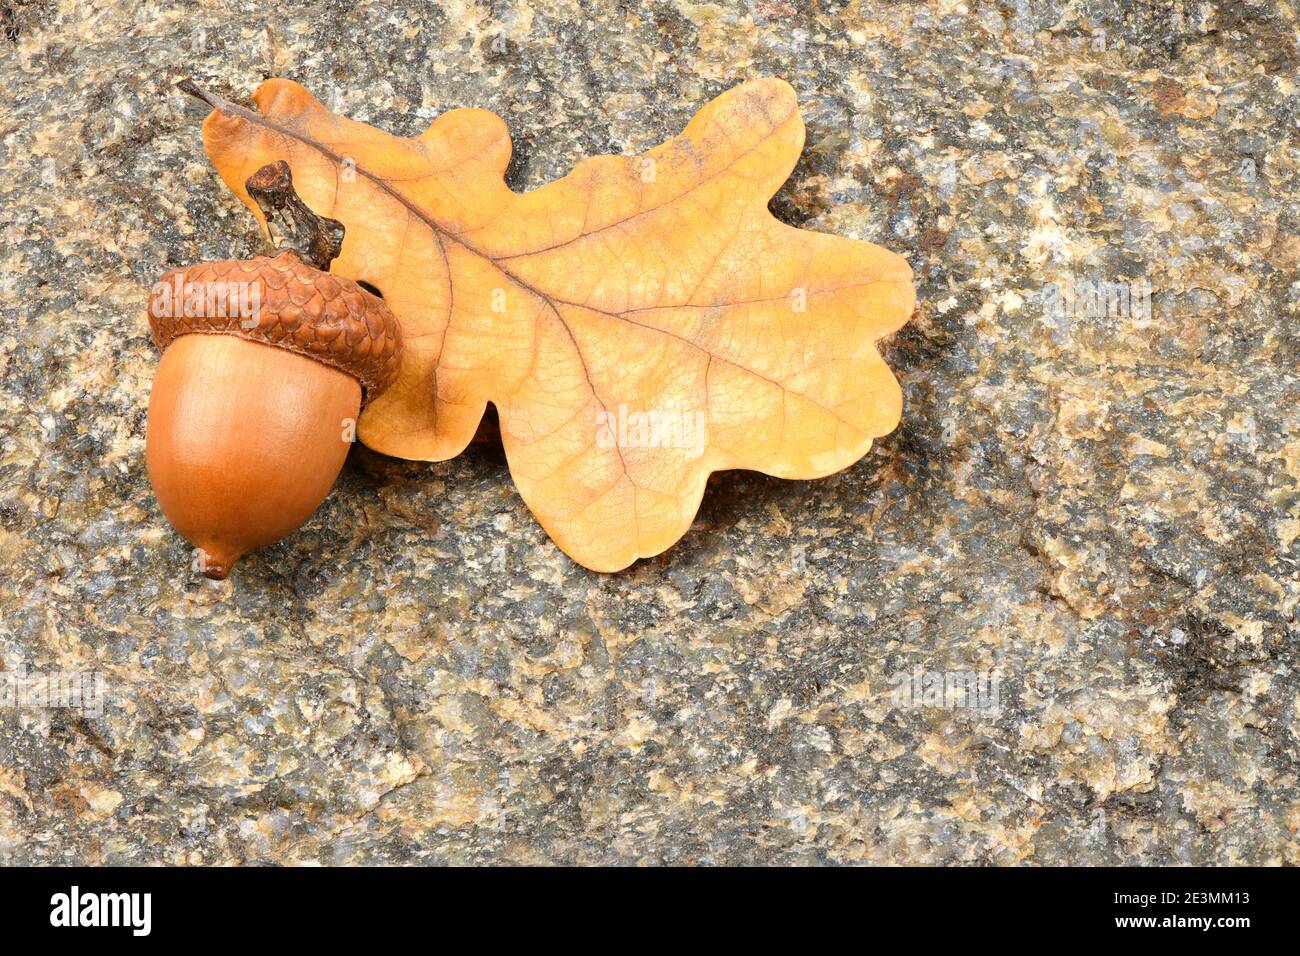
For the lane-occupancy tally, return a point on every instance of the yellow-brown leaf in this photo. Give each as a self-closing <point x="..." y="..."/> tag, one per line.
<point x="638" y="324"/>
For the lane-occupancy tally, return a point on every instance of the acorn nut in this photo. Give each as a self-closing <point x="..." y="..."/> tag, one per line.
<point x="266" y="365"/>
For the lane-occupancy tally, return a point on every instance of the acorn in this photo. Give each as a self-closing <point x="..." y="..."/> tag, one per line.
<point x="267" y="363"/>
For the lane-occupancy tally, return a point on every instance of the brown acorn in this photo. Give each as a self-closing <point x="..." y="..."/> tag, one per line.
<point x="266" y="365"/>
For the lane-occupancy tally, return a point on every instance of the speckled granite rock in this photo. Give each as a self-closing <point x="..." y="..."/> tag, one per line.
<point x="1101" y="510"/>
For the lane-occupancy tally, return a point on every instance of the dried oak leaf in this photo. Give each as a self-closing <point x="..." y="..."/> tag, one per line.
<point x="638" y="324"/>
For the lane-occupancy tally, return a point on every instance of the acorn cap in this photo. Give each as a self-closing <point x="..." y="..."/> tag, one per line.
<point x="280" y="300"/>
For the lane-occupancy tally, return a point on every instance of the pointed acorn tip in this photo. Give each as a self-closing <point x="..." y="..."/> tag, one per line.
<point x="217" y="567"/>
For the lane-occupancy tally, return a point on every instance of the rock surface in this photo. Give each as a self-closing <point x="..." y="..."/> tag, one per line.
<point x="1095" y="509"/>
